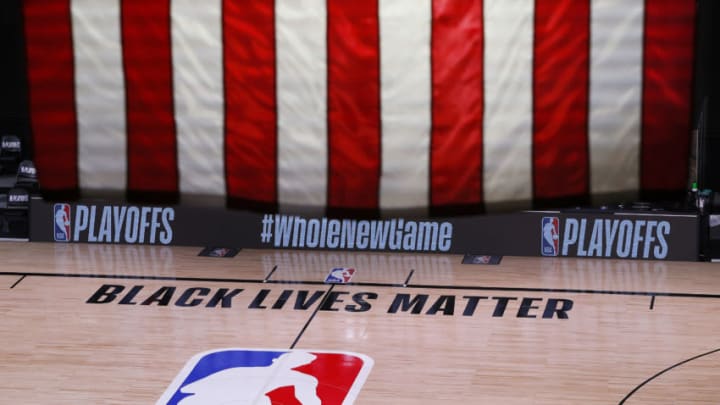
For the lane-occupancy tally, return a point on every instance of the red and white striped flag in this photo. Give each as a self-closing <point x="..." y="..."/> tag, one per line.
<point x="374" y="104"/>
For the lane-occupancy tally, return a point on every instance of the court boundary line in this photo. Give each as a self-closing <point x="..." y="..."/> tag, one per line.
<point x="317" y="308"/>
<point x="267" y="278"/>
<point x="362" y="284"/>
<point x="18" y="281"/>
<point x="407" y="280"/>
<point x="658" y="374"/>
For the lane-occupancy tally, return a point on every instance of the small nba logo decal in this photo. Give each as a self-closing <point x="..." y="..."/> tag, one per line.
<point x="339" y="275"/>
<point x="260" y="376"/>
<point x="62" y="222"/>
<point x="211" y="251"/>
<point x="550" y="236"/>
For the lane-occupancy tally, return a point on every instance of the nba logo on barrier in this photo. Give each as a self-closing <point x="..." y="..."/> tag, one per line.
<point x="550" y="245"/>
<point x="259" y="376"/>
<point x="62" y="222"/>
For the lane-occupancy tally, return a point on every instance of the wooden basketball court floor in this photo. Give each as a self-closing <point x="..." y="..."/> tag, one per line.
<point x="109" y="324"/>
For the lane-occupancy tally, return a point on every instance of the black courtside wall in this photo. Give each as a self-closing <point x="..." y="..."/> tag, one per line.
<point x="575" y="233"/>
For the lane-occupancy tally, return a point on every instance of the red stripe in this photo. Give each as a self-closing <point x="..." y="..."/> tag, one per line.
<point x="250" y="103"/>
<point x="560" y="93"/>
<point x="457" y="103"/>
<point x="353" y="104"/>
<point x="151" y="152"/>
<point x="51" y="76"/>
<point x="667" y="81"/>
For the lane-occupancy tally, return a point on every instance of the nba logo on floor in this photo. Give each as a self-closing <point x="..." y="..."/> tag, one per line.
<point x="62" y="222"/>
<point x="259" y="376"/>
<point x="340" y="275"/>
<point x="550" y="236"/>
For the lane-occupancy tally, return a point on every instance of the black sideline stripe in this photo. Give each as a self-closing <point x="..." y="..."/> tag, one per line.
<point x="415" y="286"/>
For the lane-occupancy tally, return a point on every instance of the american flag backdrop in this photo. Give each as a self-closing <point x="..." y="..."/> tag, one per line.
<point x="367" y="104"/>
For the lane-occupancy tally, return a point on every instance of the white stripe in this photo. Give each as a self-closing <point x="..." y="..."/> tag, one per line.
<point x="507" y="149"/>
<point x="405" y="101"/>
<point x="615" y="95"/>
<point x="99" y="94"/>
<point x="301" y="102"/>
<point x="198" y="86"/>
